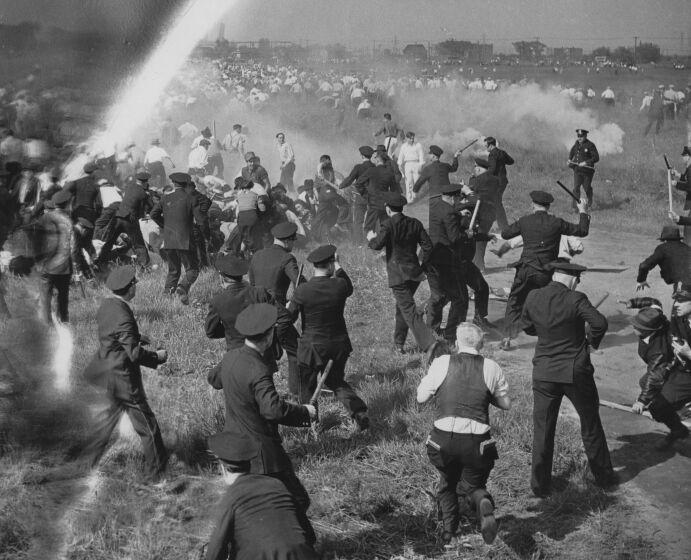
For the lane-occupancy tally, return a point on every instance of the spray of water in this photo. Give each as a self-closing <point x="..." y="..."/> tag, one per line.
<point x="139" y="95"/>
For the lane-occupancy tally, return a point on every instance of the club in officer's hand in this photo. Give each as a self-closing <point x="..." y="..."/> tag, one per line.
<point x="674" y="217"/>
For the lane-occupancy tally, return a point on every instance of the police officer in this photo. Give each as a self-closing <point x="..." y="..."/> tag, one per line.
<point x="486" y="188"/>
<point x="116" y="368"/>
<point x="436" y="172"/>
<point x="359" y="202"/>
<point x="582" y="159"/>
<point x="498" y="159"/>
<point x="86" y="204"/>
<point x="372" y="185"/>
<point x="557" y="315"/>
<point x="460" y="445"/>
<point x="258" y="517"/>
<point x="176" y="213"/>
<point x="253" y="407"/>
<point x="401" y="235"/>
<point x="541" y="236"/>
<point x="682" y="182"/>
<point x="321" y="302"/>
<point x="673" y="257"/>
<point x="135" y="204"/>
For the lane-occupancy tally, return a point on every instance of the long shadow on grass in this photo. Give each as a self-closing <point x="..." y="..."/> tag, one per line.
<point x="640" y="453"/>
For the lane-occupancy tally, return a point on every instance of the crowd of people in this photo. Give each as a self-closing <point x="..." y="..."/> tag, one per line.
<point x="125" y="206"/>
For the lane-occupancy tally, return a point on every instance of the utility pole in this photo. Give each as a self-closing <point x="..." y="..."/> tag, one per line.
<point x="635" y="46"/>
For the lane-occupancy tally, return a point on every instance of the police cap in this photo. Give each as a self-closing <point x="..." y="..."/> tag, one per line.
<point x="670" y="233"/>
<point x="435" y="150"/>
<point x="480" y="162"/>
<point x="180" y="178"/>
<point x="143" y="176"/>
<point x="366" y="151"/>
<point x="120" y="278"/>
<point x="233" y="447"/>
<point x="284" y="230"/>
<point x="229" y="265"/>
<point x="683" y="292"/>
<point x="256" y="319"/>
<point x="322" y="254"/>
<point x="541" y="197"/>
<point x="396" y="200"/>
<point x="61" y="198"/>
<point x="90" y="167"/>
<point x="451" y="189"/>
<point x="686" y="151"/>
<point x="581" y="132"/>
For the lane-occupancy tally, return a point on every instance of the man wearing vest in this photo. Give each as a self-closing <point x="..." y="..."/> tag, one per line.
<point x="460" y="445"/>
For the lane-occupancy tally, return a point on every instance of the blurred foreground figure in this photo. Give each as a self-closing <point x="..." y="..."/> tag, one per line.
<point x="557" y="315"/>
<point x="116" y="368"/>
<point x="259" y="518"/>
<point x="673" y="256"/>
<point x="460" y="445"/>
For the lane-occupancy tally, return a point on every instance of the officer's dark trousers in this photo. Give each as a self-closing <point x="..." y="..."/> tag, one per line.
<point x="474" y="279"/>
<point x="527" y="279"/>
<point x="502" y="220"/>
<point x="302" y="500"/>
<point x="674" y="395"/>
<point x="547" y="398"/>
<point x="485" y="222"/>
<point x="463" y="472"/>
<point x="134" y="234"/>
<point x="374" y="218"/>
<point x="288" y="338"/>
<point x="582" y="180"/>
<point x="144" y="423"/>
<point x="177" y="258"/>
<point x="408" y="317"/>
<point x="687" y="232"/>
<point x="439" y="296"/>
<point x="659" y="120"/>
<point x="345" y="394"/>
<point x="61" y="284"/>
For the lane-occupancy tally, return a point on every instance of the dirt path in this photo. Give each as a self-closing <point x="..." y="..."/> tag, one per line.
<point x="657" y="482"/>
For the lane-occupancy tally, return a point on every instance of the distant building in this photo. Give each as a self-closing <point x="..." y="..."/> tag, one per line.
<point x="415" y="52"/>
<point x="480" y="52"/>
<point x="567" y="53"/>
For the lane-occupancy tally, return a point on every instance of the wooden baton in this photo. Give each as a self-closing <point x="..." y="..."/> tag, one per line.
<point x="320" y="383"/>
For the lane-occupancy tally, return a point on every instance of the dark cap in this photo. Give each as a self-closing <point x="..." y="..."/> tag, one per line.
<point x="229" y="265"/>
<point x="394" y="199"/>
<point x="380" y="148"/>
<point x="256" y="319"/>
<point x="143" y="176"/>
<point x="581" y="132"/>
<point x="233" y="447"/>
<point x="249" y="156"/>
<point x="491" y="140"/>
<point x="309" y="183"/>
<point x="451" y="189"/>
<point x="670" y="233"/>
<point x="279" y="187"/>
<point x="686" y="151"/>
<point x="435" y="150"/>
<point x="541" y="197"/>
<point x="180" y="178"/>
<point x="90" y="167"/>
<point x="204" y="142"/>
<point x="480" y="162"/>
<point x="206" y="132"/>
<point x="683" y="293"/>
<point x="61" y="198"/>
<point x="649" y="319"/>
<point x="322" y="254"/>
<point x="366" y="151"/>
<point x="120" y="278"/>
<point x="284" y="230"/>
<point x="572" y="269"/>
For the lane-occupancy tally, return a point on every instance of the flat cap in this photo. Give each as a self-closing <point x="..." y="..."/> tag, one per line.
<point x="249" y="156"/>
<point x="572" y="269"/>
<point x="649" y="319"/>
<point x="322" y="254"/>
<point x="395" y="199"/>
<point x="670" y="233"/>
<point x="284" y="230"/>
<point x="380" y="148"/>
<point x="180" y="178"/>
<point x="90" y="167"/>
<point x="233" y="447"/>
<point x="686" y="151"/>
<point x="581" y="131"/>
<point x="683" y="292"/>
<point x="143" y="176"/>
<point x="541" y="197"/>
<point x="451" y="189"/>
<point x="366" y="151"/>
<point x="435" y="150"/>
<point x="256" y="319"/>
<point x="120" y="278"/>
<point x="480" y="162"/>
<point x="229" y="265"/>
<point x="61" y="198"/>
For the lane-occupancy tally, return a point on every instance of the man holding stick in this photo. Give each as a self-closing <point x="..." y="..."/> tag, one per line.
<point x="682" y="182"/>
<point x="582" y="159"/>
<point x="436" y="172"/>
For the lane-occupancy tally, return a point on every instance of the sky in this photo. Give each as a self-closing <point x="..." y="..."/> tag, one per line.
<point x="558" y="23"/>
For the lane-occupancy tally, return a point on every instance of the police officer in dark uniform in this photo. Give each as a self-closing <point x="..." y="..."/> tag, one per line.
<point x="401" y="235"/>
<point x="86" y="204"/>
<point x="201" y="236"/>
<point x="116" y="369"/>
<point x="258" y="517"/>
<point x="557" y="315"/>
<point x="253" y="407"/>
<point x="541" y="236"/>
<point x="486" y="188"/>
<point x="176" y="213"/>
<point x="682" y="182"/>
<point x="359" y="202"/>
<point x="673" y="256"/>
<point x="582" y="159"/>
<point x="498" y="159"/>
<point x="436" y="172"/>
<point x="135" y="204"/>
<point x="321" y="302"/>
<point x="444" y="271"/>
<point x="372" y="185"/>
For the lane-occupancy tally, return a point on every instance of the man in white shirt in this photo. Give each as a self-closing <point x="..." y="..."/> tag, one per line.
<point x="411" y="157"/>
<point x="153" y="162"/>
<point x="608" y="97"/>
<point x="287" y="156"/>
<point x="198" y="158"/>
<point x="460" y="445"/>
<point x="234" y="143"/>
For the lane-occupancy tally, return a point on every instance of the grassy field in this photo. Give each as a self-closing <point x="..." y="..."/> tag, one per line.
<point x="371" y="492"/>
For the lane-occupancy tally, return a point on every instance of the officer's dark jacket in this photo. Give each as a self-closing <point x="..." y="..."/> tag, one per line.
<point x="584" y="152"/>
<point x="135" y="203"/>
<point x="486" y="187"/>
<point x="254" y="408"/>
<point x="557" y="316"/>
<point x="357" y="171"/>
<point x="447" y="233"/>
<point x="321" y="302"/>
<point x="684" y="184"/>
<point x="541" y="235"/>
<point x="259" y="521"/>
<point x="176" y="213"/>
<point x="657" y="355"/>
<point x="674" y="260"/>
<point x="374" y="182"/>
<point x="498" y="159"/>
<point x="437" y="173"/>
<point x="116" y="365"/>
<point x="274" y="268"/>
<point x="87" y="198"/>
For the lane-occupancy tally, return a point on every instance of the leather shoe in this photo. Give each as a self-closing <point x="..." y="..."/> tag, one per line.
<point x="671" y="437"/>
<point x="488" y="524"/>
<point x="362" y="420"/>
